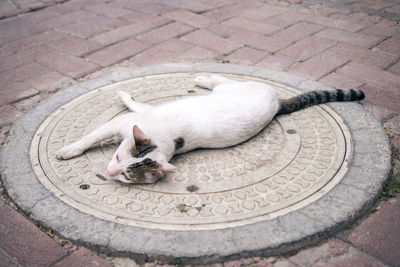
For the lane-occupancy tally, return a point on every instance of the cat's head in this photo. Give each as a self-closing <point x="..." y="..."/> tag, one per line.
<point x="138" y="160"/>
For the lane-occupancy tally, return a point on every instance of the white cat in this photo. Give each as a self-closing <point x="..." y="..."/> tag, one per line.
<point x="232" y="113"/>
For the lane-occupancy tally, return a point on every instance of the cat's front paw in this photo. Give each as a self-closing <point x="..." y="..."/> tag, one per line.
<point x="68" y="152"/>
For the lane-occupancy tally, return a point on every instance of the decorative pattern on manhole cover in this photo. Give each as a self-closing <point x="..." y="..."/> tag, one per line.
<point x="292" y="162"/>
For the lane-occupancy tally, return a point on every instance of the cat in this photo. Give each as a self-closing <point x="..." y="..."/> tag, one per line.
<point x="232" y="113"/>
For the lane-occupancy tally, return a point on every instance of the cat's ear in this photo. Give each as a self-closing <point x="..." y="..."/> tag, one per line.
<point x="168" y="167"/>
<point x="139" y="136"/>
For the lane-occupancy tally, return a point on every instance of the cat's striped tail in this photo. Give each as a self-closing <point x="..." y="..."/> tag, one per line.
<point x="312" y="98"/>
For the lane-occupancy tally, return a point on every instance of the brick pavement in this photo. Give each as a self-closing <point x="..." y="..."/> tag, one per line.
<point x="47" y="45"/>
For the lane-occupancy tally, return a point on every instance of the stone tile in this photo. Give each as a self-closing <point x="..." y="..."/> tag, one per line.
<point x="14" y="28"/>
<point x="24" y="57"/>
<point x="254" y="261"/>
<point x="20" y="73"/>
<point x="277" y="62"/>
<point x="379" y="112"/>
<point x="370" y="73"/>
<point x="23" y="241"/>
<point x="333" y="253"/>
<point x="336" y="23"/>
<point x="104" y="22"/>
<point x="81" y="30"/>
<point x="318" y="66"/>
<point x="264" y="12"/>
<point x="7" y="260"/>
<point x="362" y="55"/>
<point x="341" y="81"/>
<point x="375" y="95"/>
<point x="307" y="48"/>
<point x="221" y="30"/>
<point x="8" y="114"/>
<point x="227" y="12"/>
<point x="197" y="54"/>
<point x="250" y="25"/>
<point x="34" y="40"/>
<point x="246" y="55"/>
<point x="28" y="103"/>
<point x="259" y="41"/>
<point x="107" y="10"/>
<point x="146" y="19"/>
<point x="189" y="18"/>
<point x="69" y="65"/>
<point x="50" y="81"/>
<point x="210" y="41"/>
<point x="378" y="234"/>
<point x="39" y="15"/>
<point x="357" y="39"/>
<point x="395" y="68"/>
<point x="380" y="30"/>
<point x="16" y="92"/>
<point x="287" y="19"/>
<point x="119" y="34"/>
<point x="391" y="45"/>
<point x="117" y="52"/>
<point x="297" y="31"/>
<point x="83" y="257"/>
<point x="194" y="6"/>
<point x="75" y="45"/>
<point x="164" y="33"/>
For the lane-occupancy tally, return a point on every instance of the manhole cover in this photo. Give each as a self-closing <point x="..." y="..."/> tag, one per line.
<point x="292" y="162"/>
<point x="304" y="176"/>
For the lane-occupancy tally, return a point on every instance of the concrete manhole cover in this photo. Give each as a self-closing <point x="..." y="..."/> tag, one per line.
<point x="292" y="162"/>
<point x="303" y="176"/>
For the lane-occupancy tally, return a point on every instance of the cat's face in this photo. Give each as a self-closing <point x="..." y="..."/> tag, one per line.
<point x="138" y="160"/>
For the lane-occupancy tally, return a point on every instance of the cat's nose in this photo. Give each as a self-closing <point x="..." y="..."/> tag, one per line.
<point x="112" y="171"/>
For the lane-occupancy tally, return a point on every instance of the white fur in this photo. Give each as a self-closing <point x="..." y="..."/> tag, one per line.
<point x="232" y="113"/>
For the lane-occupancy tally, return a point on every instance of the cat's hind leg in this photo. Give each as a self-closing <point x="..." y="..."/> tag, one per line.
<point x="132" y="104"/>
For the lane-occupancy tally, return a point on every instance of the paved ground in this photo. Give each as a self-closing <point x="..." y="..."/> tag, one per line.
<point x="346" y="44"/>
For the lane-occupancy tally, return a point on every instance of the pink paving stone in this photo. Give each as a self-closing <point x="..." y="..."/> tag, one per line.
<point x="190" y="18"/>
<point x="370" y="73"/>
<point x="227" y="12"/>
<point x="391" y="45"/>
<point x="14" y="28"/>
<point x="379" y="234"/>
<point x="49" y="81"/>
<point x="379" y="112"/>
<point x="194" y="6"/>
<point x="380" y="30"/>
<point x="23" y="241"/>
<point x="75" y="45"/>
<point x="259" y="41"/>
<point x="334" y="253"/>
<point x="378" y="96"/>
<point x="221" y="30"/>
<point x="336" y="23"/>
<point x="39" y="15"/>
<point x="162" y="52"/>
<point x="6" y="259"/>
<point x="341" y="81"/>
<point x="276" y="62"/>
<point x="164" y="33"/>
<point x="108" y="23"/>
<point x="8" y="114"/>
<point x="287" y="19"/>
<point x="117" y="52"/>
<point x="67" y="64"/>
<point x="146" y="19"/>
<point x="298" y="31"/>
<point x="16" y="92"/>
<point x="34" y="40"/>
<point x="307" y="48"/>
<point x="358" y="39"/>
<point x="197" y="54"/>
<point x="23" y="57"/>
<point x="250" y="25"/>
<point x="83" y="257"/>
<point x="395" y="68"/>
<point x="318" y="66"/>
<point x="20" y="73"/>
<point x="107" y="10"/>
<point x="264" y="12"/>
<point x="119" y="34"/>
<point x="246" y="55"/>
<point x="81" y="30"/>
<point x="362" y="55"/>
<point x="210" y="41"/>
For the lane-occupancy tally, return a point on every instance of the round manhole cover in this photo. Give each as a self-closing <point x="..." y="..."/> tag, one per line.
<point x="302" y="177"/>
<point x="293" y="161"/>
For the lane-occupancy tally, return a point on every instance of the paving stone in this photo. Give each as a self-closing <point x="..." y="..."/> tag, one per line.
<point x="287" y="19"/>
<point x="108" y="23"/>
<point x="119" y="34"/>
<point x="395" y="68"/>
<point x="298" y="31"/>
<point x="25" y="242"/>
<point x="117" y="52"/>
<point x="50" y="81"/>
<point x="39" y="15"/>
<point x="34" y="40"/>
<point x="20" y="73"/>
<point x="379" y="112"/>
<point x="375" y="95"/>
<point x="391" y="45"/>
<point x="8" y="114"/>
<point x="246" y="55"/>
<point x="380" y="30"/>
<point x="277" y="62"/>
<point x="146" y="19"/>
<point x="72" y="66"/>
<point x="210" y="41"/>
<point x="341" y="81"/>
<point x="14" y="28"/>
<point x="165" y="32"/>
<point x="189" y="18"/>
<point x="264" y="12"/>
<point x="83" y="257"/>
<point x="16" y="92"/>
<point x="336" y="23"/>
<point x="107" y="10"/>
<point x="75" y="45"/>
<point x="24" y="57"/>
<point x="7" y="260"/>
<point x="358" y="39"/>
<point x="334" y="253"/>
<point x="198" y="54"/>
<point x="227" y="12"/>
<point x="251" y="25"/>
<point x="377" y="234"/>
<point x="193" y="6"/>
<point x="259" y="41"/>
<point x="81" y="30"/>
<point x="318" y="66"/>
<point x="307" y="48"/>
<point x="221" y="30"/>
<point x="28" y="103"/>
